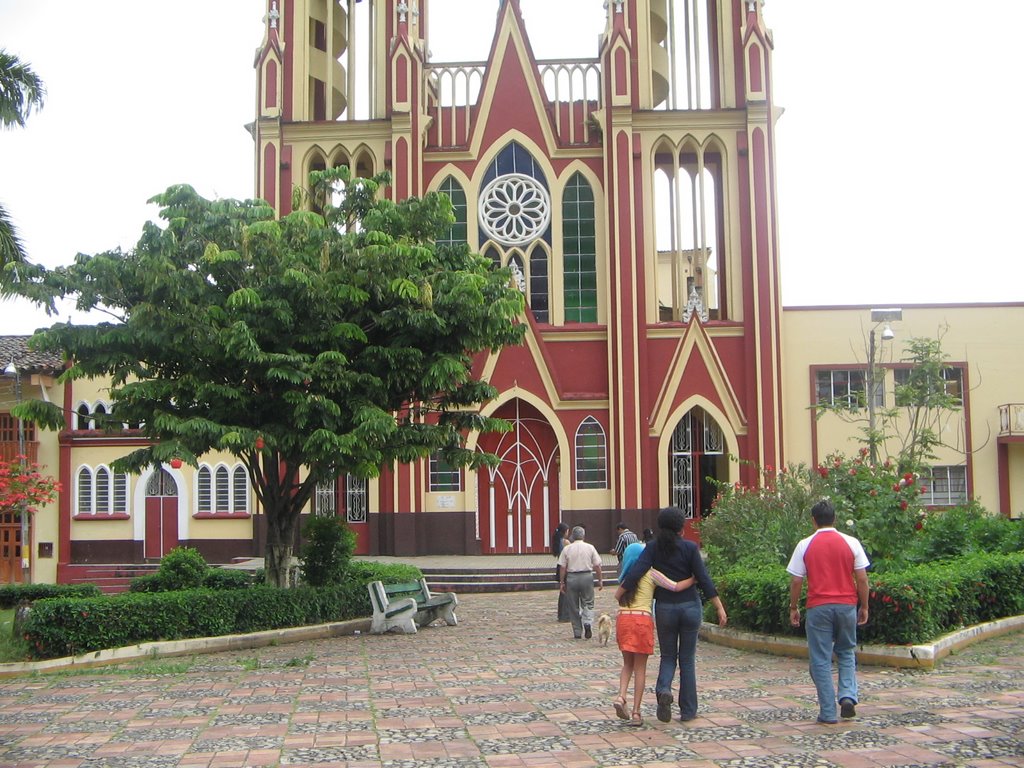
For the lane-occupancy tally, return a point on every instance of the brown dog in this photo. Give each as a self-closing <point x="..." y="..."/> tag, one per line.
<point x="604" y="628"/>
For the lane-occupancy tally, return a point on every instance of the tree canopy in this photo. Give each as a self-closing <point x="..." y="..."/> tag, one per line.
<point x="327" y="342"/>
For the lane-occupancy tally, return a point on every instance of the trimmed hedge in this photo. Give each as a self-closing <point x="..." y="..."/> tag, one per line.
<point x="913" y="605"/>
<point x="70" y="626"/>
<point x="13" y="594"/>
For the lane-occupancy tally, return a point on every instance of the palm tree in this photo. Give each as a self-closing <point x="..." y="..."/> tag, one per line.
<point x="21" y="92"/>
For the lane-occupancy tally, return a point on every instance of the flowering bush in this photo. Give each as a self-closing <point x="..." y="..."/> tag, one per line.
<point x="22" y="487"/>
<point x="763" y="524"/>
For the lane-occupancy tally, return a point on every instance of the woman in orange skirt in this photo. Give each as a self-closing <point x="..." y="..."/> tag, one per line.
<point x="634" y="631"/>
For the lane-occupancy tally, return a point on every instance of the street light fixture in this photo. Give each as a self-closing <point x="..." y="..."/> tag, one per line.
<point x="879" y="317"/>
<point x="12" y="370"/>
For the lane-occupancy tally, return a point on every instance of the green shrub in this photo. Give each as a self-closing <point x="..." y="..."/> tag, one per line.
<point x="964" y="530"/>
<point x="11" y="595"/>
<point x="181" y="568"/>
<point x="912" y="605"/>
<point x="756" y="599"/>
<point x="224" y="578"/>
<point x="66" y="626"/>
<point x="326" y="553"/>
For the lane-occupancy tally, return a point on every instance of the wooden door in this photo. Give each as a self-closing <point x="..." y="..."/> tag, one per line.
<point x="161" y="514"/>
<point x="10" y="548"/>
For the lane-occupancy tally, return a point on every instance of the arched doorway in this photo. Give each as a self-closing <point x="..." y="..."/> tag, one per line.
<point x="518" y="499"/>
<point x="161" y="514"/>
<point x="697" y="459"/>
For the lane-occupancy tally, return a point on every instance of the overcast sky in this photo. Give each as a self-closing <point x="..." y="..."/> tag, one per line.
<point x="898" y="153"/>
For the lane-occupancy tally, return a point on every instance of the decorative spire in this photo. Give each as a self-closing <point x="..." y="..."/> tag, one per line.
<point x="274" y="15"/>
<point x="618" y="5"/>
<point x="695" y="304"/>
<point x="403" y="9"/>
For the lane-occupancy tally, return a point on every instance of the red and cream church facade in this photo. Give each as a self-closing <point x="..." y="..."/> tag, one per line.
<point x="633" y="195"/>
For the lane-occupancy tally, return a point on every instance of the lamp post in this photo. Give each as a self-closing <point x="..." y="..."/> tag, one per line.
<point x="879" y="317"/>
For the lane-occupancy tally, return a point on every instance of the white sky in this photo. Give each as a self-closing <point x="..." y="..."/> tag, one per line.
<point x="898" y="155"/>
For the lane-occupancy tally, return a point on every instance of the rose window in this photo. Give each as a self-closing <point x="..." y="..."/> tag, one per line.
<point x="514" y="209"/>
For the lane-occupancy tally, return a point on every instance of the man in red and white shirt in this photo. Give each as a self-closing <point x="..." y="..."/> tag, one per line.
<point x="835" y="566"/>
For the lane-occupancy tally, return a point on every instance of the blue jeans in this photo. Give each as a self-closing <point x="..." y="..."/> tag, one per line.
<point x="832" y="628"/>
<point x="678" y="624"/>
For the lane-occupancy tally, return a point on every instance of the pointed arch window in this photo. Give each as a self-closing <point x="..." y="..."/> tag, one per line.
<point x="697" y="453"/>
<point x="579" y="251"/>
<point x="239" y="490"/>
<point x="85" y="506"/>
<point x="456" y="234"/>
<point x="591" y="455"/>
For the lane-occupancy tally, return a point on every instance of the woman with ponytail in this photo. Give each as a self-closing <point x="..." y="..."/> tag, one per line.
<point x="679" y="614"/>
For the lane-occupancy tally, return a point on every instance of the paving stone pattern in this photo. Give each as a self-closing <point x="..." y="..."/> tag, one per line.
<point x="507" y="688"/>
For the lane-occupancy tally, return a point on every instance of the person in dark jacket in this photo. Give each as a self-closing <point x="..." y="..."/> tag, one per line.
<point x="679" y="614"/>
<point x="559" y="538"/>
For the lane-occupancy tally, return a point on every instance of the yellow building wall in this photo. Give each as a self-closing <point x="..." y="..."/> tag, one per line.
<point x="988" y="338"/>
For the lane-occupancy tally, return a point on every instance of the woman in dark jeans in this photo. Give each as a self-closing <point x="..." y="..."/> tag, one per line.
<point x="679" y="614"/>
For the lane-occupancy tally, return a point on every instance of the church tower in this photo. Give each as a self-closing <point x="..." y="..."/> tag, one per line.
<point x="633" y="196"/>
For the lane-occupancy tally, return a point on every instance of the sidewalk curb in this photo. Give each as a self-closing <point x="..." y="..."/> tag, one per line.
<point x="923" y="656"/>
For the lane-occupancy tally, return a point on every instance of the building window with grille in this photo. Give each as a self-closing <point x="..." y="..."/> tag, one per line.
<point x="848" y="387"/>
<point x="444" y="477"/>
<point x="944" y="486"/>
<point x="356" y="497"/>
<point x="222" y="491"/>
<point x="325" y="499"/>
<point x="591" y="455"/>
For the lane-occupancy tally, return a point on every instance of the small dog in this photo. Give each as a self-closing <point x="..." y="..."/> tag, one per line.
<point x="604" y="628"/>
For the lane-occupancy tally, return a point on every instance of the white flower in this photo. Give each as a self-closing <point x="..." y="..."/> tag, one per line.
<point x="849" y="523"/>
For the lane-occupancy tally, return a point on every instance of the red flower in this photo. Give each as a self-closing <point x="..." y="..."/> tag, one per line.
<point x="903" y="504"/>
<point x="872" y="492"/>
<point x="823" y="471"/>
<point x="918" y="525"/>
<point x="909" y="477"/>
<point x="886" y="599"/>
<point x="853" y="472"/>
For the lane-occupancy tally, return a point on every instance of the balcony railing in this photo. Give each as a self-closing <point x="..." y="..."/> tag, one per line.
<point x="9" y="450"/>
<point x="1011" y="420"/>
<point x="572" y="87"/>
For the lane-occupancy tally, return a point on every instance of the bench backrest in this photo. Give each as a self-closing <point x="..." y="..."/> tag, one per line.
<point x="409" y="589"/>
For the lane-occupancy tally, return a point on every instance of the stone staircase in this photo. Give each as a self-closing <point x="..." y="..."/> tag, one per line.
<point x="511" y="578"/>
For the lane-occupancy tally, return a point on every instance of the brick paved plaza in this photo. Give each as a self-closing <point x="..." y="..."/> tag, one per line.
<point x="508" y="687"/>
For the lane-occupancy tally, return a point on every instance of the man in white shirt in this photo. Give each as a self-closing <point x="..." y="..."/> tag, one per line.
<point x="578" y="562"/>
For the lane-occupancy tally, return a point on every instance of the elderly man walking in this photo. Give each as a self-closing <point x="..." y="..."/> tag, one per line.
<point x="835" y="566"/>
<point x="578" y="563"/>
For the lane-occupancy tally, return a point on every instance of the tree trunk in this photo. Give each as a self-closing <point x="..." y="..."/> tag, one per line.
<point x="277" y="558"/>
<point x="278" y="563"/>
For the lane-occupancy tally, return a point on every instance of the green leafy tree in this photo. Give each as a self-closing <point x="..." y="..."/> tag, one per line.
<point x="21" y="92"/>
<point x="912" y="425"/>
<point x="308" y="347"/>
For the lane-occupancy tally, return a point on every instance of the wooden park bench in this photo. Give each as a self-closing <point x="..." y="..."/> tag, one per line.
<point x="405" y="607"/>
